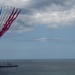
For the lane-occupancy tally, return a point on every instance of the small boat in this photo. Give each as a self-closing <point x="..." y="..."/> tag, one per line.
<point x="8" y="65"/>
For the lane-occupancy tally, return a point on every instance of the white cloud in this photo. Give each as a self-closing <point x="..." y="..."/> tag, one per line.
<point x="55" y="18"/>
<point x="51" y="18"/>
<point x="53" y="15"/>
<point x="14" y="3"/>
<point x="22" y="24"/>
<point x="63" y="40"/>
<point x="42" y="39"/>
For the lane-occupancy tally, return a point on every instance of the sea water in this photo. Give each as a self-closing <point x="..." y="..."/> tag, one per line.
<point x="39" y="67"/>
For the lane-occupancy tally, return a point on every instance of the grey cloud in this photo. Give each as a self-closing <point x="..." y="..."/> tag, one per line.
<point x="43" y="3"/>
<point x="35" y="6"/>
<point x="53" y="13"/>
<point x="26" y="11"/>
<point x="40" y="5"/>
<point x="21" y="22"/>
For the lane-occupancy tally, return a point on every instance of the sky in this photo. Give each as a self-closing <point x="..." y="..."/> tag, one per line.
<point x="45" y="29"/>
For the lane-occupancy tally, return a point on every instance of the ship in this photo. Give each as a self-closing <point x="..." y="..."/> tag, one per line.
<point x="8" y="65"/>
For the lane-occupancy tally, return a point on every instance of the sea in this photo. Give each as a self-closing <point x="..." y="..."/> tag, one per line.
<point x="39" y="67"/>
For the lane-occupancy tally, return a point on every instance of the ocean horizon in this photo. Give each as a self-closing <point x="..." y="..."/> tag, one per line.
<point x="39" y="67"/>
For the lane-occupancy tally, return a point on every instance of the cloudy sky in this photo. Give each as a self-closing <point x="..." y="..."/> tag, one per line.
<point x="45" y="29"/>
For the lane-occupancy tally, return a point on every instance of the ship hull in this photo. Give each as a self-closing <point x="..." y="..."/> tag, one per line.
<point x="7" y="66"/>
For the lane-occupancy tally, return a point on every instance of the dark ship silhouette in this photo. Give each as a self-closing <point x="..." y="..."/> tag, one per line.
<point x="8" y="65"/>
